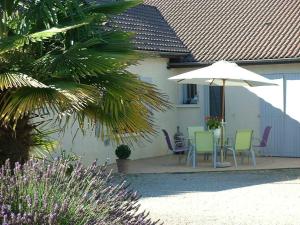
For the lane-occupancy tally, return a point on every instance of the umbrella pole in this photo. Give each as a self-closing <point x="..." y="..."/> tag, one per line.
<point x="222" y="163"/>
<point x="222" y="121"/>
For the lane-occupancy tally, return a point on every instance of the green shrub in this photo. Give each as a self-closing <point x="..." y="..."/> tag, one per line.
<point x="123" y="151"/>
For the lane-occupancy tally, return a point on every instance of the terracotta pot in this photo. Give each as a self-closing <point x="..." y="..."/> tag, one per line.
<point x="123" y="165"/>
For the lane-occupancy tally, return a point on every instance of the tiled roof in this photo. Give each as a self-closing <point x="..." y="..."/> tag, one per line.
<point x="152" y="32"/>
<point x="234" y="29"/>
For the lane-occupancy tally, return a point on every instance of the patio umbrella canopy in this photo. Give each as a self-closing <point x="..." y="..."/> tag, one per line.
<point x="222" y="73"/>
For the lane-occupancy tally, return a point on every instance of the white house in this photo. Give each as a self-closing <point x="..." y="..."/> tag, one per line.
<point x="262" y="36"/>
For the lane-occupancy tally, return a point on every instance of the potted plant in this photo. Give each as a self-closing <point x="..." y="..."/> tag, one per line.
<point x="214" y="123"/>
<point x="122" y="152"/>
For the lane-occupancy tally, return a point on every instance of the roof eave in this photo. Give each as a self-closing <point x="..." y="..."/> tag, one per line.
<point x="240" y="62"/>
<point x="165" y="54"/>
<point x="173" y="54"/>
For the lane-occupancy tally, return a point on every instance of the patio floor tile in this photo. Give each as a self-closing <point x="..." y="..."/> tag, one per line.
<point x="169" y="164"/>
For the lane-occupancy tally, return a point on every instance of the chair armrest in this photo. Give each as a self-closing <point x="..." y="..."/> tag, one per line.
<point x="228" y="147"/>
<point x="229" y="141"/>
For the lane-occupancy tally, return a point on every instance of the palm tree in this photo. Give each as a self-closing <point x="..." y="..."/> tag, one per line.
<point x="59" y="60"/>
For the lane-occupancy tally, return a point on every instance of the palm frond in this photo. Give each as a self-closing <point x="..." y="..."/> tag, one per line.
<point x="113" y="7"/>
<point x="38" y="14"/>
<point x="84" y="60"/>
<point x="18" y="41"/>
<point x="128" y="122"/>
<point x="15" y="80"/>
<point x="8" y="6"/>
<point x="84" y="93"/>
<point x="43" y="144"/>
<point x="25" y="100"/>
<point x="122" y="111"/>
<point x="118" y="41"/>
<point x="126" y="85"/>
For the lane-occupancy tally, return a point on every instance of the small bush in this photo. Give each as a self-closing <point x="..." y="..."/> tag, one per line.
<point x="39" y="193"/>
<point x="123" y="151"/>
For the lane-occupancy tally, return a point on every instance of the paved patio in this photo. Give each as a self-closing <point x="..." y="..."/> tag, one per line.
<point x="169" y="164"/>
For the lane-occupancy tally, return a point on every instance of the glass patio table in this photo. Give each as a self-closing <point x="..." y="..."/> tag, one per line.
<point x="215" y="156"/>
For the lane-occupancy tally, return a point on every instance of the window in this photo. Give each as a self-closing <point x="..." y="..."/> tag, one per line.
<point x="215" y="101"/>
<point x="189" y="94"/>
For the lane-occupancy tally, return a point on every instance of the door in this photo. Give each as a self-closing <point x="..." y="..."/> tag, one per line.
<point x="292" y="115"/>
<point x="215" y="101"/>
<point x="280" y="109"/>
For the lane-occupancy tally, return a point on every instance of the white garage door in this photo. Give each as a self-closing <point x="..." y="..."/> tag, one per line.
<point x="280" y="108"/>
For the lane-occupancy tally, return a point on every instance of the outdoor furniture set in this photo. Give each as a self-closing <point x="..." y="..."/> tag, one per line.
<point x="204" y="142"/>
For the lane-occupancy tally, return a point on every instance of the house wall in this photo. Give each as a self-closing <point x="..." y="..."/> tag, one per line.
<point x="153" y="69"/>
<point x="243" y="105"/>
<point x="242" y="111"/>
<point x="189" y="115"/>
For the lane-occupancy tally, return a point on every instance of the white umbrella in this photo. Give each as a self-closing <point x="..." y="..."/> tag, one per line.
<point x="223" y="73"/>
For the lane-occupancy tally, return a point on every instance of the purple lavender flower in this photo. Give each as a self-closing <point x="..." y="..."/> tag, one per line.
<point x="37" y="193"/>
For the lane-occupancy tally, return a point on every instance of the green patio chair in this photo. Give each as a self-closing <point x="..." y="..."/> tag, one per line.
<point x="192" y="130"/>
<point x="191" y="139"/>
<point x="204" y="144"/>
<point x="243" y="144"/>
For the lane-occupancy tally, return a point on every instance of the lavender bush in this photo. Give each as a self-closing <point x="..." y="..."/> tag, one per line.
<point x="39" y="193"/>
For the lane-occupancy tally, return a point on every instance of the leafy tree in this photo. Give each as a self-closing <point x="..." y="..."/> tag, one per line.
<point x="59" y="60"/>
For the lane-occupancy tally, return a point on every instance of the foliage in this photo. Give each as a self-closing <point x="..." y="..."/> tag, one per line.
<point x="213" y="122"/>
<point x="70" y="158"/>
<point x="37" y="193"/>
<point x="123" y="151"/>
<point x="13" y="144"/>
<point x="59" y="60"/>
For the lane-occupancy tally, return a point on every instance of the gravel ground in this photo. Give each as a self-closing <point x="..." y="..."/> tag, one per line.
<point x="221" y="198"/>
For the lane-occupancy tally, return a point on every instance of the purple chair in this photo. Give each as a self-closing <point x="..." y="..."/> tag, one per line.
<point x="175" y="149"/>
<point x="264" y="141"/>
